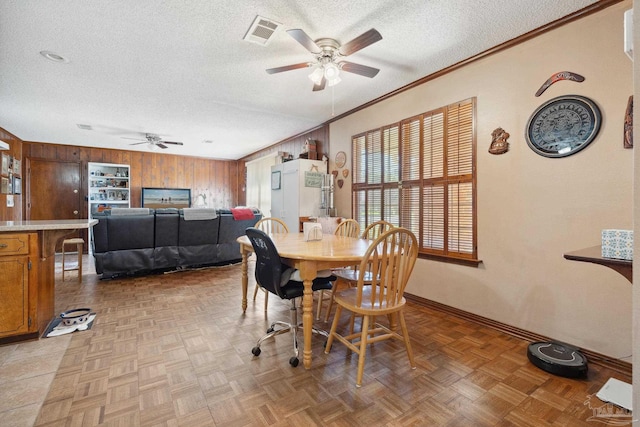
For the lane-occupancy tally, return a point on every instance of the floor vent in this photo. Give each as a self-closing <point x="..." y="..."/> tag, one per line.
<point x="261" y="31"/>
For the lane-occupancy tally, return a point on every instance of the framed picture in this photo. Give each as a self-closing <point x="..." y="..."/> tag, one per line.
<point x="275" y="180"/>
<point x="4" y="185"/>
<point x="17" y="185"/>
<point x="17" y="167"/>
<point x="5" y="164"/>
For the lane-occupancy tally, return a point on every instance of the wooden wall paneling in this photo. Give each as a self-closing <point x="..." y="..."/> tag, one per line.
<point x="186" y="172"/>
<point x="234" y="177"/>
<point x="218" y="179"/>
<point x="135" y="178"/>
<point x="97" y="155"/>
<point x="201" y="179"/>
<point x="241" y="188"/>
<point x="147" y="177"/>
<point x="171" y="170"/>
<point x="218" y="182"/>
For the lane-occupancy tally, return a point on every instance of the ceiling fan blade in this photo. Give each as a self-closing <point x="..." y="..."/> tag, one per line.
<point x="135" y="139"/>
<point x="171" y="142"/>
<point x="360" y="69"/>
<point x="323" y="82"/>
<point x="138" y="143"/>
<point x="360" y="42"/>
<point x="289" y="67"/>
<point x="301" y="37"/>
<point x="161" y="145"/>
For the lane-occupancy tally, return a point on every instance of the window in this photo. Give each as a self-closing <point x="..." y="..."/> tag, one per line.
<point x="259" y="183"/>
<point x="420" y="174"/>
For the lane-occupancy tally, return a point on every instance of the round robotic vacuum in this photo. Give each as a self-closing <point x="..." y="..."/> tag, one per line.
<point x="558" y="359"/>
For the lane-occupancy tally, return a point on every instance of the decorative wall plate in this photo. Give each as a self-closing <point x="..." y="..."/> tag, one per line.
<point x="563" y="126"/>
<point x="345" y="172"/>
<point x="341" y="159"/>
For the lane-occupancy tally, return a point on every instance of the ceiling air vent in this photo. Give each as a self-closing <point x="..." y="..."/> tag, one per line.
<point x="261" y="30"/>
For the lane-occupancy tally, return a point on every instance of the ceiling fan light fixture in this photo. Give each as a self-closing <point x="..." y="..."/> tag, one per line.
<point x="316" y="75"/>
<point x="334" y="81"/>
<point x="331" y="72"/>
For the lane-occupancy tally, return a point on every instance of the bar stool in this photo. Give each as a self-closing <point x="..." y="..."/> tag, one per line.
<point x="79" y="243"/>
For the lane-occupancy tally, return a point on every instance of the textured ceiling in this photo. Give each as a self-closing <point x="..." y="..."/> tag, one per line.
<point x="179" y="68"/>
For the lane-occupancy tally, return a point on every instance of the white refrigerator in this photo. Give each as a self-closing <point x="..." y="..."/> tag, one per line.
<point x="296" y="188"/>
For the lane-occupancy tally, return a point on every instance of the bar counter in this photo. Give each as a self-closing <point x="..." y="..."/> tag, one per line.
<point x="27" y="278"/>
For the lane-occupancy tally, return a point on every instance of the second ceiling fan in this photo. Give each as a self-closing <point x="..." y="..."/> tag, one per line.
<point x="329" y="54"/>
<point x="153" y="140"/>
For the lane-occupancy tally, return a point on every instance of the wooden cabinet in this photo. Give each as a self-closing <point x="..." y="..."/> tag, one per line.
<point x="18" y="283"/>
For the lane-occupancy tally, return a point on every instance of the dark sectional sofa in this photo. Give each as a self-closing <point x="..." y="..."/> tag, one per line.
<point x="143" y="241"/>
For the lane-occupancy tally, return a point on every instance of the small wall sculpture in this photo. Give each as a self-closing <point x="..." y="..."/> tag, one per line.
<point x="499" y="144"/>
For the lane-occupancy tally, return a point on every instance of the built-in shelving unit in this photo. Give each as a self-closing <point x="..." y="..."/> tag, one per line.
<point x="108" y="187"/>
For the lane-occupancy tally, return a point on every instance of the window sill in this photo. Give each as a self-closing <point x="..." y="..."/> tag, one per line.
<point x="470" y="262"/>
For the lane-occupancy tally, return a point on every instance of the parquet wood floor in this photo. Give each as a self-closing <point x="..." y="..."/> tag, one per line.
<point x="175" y="350"/>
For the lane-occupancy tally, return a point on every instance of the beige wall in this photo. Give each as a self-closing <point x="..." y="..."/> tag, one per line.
<point x="532" y="209"/>
<point x="636" y="211"/>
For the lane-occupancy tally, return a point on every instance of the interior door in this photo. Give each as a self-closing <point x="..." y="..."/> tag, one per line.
<point x="53" y="190"/>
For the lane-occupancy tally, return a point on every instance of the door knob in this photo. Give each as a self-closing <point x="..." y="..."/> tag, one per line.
<point x="75" y="212"/>
<point x="75" y="191"/>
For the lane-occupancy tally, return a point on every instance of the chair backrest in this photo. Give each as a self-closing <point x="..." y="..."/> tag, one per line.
<point x="268" y="262"/>
<point x="272" y="225"/>
<point x="387" y="266"/>
<point x="375" y="229"/>
<point x="348" y="228"/>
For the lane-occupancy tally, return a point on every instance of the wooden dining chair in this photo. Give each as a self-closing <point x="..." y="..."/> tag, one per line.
<point x="390" y="260"/>
<point x="373" y="230"/>
<point x="268" y="225"/>
<point x="347" y="228"/>
<point x="348" y="276"/>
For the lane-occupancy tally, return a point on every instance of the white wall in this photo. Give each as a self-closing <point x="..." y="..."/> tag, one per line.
<point x="532" y="209"/>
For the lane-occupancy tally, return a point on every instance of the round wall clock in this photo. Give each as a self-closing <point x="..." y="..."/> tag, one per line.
<point x="341" y="159"/>
<point x="563" y="126"/>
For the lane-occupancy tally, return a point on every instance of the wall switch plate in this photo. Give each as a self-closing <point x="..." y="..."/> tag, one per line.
<point x="9" y="200"/>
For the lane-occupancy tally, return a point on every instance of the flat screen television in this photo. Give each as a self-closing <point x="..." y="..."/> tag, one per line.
<point x="157" y="198"/>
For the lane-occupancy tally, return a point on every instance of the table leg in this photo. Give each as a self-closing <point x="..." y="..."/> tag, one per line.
<point x="245" y="277"/>
<point x="308" y="272"/>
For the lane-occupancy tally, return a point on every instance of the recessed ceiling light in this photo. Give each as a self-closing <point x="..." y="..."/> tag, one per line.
<point x="207" y="141"/>
<point x="84" y="127"/>
<point x="52" y="56"/>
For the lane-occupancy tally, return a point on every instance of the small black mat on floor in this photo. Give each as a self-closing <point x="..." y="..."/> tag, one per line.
<point x="56" y="321"/>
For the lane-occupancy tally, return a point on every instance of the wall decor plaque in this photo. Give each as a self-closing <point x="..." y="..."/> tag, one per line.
<point x="341" y="159"/>
<point x="628" y="124"/>
<point x="563" y="126"/>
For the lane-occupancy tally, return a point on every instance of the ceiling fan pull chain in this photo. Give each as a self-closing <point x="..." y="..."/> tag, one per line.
<point x="333" y="110"/>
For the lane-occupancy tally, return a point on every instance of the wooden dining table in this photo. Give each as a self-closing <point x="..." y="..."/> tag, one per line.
<point x="309" y="257"/>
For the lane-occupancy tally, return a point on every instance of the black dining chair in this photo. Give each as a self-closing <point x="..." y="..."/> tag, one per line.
<point x="275" y="276"/>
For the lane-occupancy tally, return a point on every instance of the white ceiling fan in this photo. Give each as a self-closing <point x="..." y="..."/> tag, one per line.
<point x="328" y="58"/>
<point x="153" y="140"/>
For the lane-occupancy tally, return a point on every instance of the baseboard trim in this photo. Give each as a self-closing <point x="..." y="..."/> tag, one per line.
<point x="593" y="357"/>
